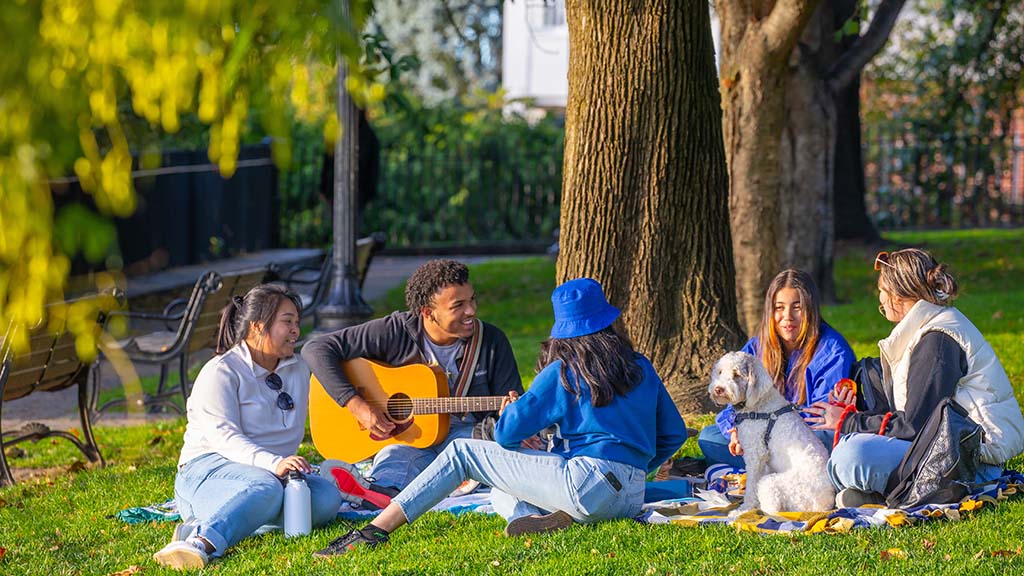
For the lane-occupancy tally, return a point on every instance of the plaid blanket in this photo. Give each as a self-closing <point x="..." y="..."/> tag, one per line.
<point x="689" y="512"/>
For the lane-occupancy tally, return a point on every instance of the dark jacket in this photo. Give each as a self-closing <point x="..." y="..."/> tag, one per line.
<point x="937" y="364"/>
<point x="395" y="340"/>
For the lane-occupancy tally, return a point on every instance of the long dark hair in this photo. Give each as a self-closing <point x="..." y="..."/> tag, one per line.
<point x="258" y="306"/>
<point x="605" y="360"/>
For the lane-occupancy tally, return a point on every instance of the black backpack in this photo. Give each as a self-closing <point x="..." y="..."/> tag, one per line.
<point x="941" y="464"/>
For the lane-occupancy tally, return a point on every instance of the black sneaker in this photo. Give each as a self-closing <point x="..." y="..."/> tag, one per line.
<point x="371" y="538"/>
<point x="538" y="524"/>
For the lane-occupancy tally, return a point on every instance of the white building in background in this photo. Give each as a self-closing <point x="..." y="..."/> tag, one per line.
<point x="535" y="52"/>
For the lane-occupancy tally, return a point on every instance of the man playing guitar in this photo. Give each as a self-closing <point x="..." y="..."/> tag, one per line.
<point x="440" y="328"/>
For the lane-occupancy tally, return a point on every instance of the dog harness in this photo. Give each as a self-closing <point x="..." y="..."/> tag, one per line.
<point x="771" y="417"/>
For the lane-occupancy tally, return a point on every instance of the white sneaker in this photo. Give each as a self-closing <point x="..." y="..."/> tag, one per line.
<point x="182" y="531"/>
<point x="853" y="498"/>
<point x="182" y="556"/>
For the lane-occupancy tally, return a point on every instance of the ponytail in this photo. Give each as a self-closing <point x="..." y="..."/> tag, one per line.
<point x="257" y="307"/>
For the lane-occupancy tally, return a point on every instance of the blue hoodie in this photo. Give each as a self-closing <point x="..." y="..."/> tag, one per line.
<point x="831" y="363"/>
<point x="642" y="428"/>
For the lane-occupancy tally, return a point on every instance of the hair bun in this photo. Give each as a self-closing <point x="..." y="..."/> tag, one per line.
<point x="942" y="284"/>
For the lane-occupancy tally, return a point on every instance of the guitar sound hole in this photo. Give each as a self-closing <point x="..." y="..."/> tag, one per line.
<point x="400" y="407"/>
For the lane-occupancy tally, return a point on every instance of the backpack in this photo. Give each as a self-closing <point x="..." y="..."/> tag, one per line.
<point x="941" y="464"/>
<point x="872" y="393"/>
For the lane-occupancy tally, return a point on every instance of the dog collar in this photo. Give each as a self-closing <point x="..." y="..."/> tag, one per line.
<point x="771" y="417"/>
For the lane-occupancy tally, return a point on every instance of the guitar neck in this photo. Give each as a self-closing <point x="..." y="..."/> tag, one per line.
<point x="453" y="405"/>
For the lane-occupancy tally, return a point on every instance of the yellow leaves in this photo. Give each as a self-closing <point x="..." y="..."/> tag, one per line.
<point x="78" y="62"/>
<point x="129" y="571"/>
<point x="331" y="131"/>
<point x="893" y="554"/>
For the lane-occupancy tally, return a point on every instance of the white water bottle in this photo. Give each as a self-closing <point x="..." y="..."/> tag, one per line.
<point x="298" y="519"/>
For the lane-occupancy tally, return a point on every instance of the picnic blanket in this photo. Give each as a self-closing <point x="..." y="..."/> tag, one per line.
<point x="478" y="502"/>
<point x="694" y="512"/>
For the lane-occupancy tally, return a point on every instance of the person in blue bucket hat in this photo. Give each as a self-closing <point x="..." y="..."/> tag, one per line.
<point x="613" y="421"/>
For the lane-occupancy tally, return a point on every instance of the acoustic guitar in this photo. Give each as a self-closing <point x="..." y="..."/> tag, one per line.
<point x="414" y="397"/>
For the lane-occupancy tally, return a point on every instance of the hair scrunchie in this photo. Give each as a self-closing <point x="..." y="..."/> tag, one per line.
<point x="238" y="301"/>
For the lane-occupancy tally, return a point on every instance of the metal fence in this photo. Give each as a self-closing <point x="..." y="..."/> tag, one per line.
<point x="466" y="196"/>
<point x="946" y="181"/>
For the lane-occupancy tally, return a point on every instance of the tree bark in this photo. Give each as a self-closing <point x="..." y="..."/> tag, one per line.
<point x="757" y="39"/>
<point x="821" y="162"/>
<point x="808" y="158"/>
<point x="848" y="186"/>
<point x="644" y="200"/>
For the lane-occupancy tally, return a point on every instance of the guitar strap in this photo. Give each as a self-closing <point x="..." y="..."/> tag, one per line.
<point x="470" y="356"/>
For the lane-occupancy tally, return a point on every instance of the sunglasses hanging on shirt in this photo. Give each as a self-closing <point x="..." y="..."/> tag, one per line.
<point x="284" y="400"/>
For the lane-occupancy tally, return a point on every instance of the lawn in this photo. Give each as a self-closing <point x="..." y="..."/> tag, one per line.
<point x="62" y="525"/>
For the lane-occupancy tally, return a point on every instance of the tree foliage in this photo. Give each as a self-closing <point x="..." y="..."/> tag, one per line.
<point x="956" y="65"/>
<point x="456" y="43"/>
<point x="72" y="68"/>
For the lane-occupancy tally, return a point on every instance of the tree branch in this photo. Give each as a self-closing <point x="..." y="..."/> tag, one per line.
<point x="853" y="60"/>
<point x="983" y="46"/>
<point x="785" y="23"/>
<point x="451" y="20"/>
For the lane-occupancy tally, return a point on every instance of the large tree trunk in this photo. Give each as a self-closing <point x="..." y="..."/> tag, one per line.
<point x="808" y="146"/>
<point x="848" y="187"/>
<point x="644" y="200"/>
<point x="757" y="39"/>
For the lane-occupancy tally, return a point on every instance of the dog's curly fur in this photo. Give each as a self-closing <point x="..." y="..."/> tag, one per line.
<point x="788" y="474"/>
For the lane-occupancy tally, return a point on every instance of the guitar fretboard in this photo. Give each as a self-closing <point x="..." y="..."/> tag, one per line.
<point x="450" y="405"/>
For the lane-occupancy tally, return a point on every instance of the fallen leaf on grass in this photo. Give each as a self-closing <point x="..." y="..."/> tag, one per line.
<point x="528" y="543"/>
<point x="979" y="554"/>
<point x="893" y="554"/>
<point x="947" y="557"/>
<point x="133" y="569"/>
<point x="1006" y="553"/>
<point x="155" y="440"/>
<point x="3" y="551"/>
<point x="927" y="544"/>
<point x="998" y="315"/>
<point x="76" y="466"/>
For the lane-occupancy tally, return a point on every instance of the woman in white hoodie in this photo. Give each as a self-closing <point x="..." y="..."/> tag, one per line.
<point x="934" y="352"/>
<point x="246" y="418"/>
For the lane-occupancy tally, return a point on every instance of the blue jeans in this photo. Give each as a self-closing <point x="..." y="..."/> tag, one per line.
<point x="865" y="461"/>
<point x="715" y="446"/>
<point x="397" y="464"/>
<point x="529" y="482"/>
<point x="228" y="501"/>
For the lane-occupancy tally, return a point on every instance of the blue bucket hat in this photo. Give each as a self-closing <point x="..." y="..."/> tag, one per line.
<point x="581" y="309"/>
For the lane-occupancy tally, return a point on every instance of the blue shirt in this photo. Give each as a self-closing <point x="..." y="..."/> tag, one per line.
<point x="642" y="428"/>
<point x="831" y="363"/>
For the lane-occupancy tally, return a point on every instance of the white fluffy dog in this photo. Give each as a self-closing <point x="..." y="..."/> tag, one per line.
<point x="785" y="460"/>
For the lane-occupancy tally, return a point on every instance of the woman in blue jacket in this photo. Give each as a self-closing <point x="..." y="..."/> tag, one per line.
<point x="804" y="355"/>
<point x="613" y="418"/>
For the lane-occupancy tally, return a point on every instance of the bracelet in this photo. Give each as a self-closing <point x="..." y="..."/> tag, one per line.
<point x="885" y="422"/>
<point x="850" y="408"/>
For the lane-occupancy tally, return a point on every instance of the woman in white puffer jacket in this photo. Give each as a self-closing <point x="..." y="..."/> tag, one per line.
<point x="934" y="352"/>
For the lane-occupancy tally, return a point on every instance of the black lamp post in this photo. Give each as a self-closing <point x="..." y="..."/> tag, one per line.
<point x="344" y="304"/>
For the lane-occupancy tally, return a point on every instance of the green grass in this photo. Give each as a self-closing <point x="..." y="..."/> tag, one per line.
<point x="61" y="525"/>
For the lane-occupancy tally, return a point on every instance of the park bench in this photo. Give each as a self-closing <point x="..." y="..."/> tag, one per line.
<point x="190" y="325"/>
<point x="53" y="361"/>
<point x="312" y="282"/>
